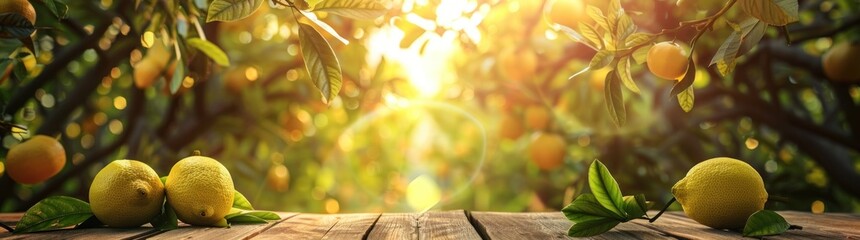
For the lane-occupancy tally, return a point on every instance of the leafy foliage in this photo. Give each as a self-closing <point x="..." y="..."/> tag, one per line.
<point x="606" y="208"/>
<point x="54" y="213"/>
<point x="765" y="223"/>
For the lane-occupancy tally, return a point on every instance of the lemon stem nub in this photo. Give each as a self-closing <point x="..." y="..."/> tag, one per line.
<point x="196" y="153"/>
<point x="661" y="211"/>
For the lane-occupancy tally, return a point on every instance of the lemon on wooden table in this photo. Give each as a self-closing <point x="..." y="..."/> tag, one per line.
<point x="126" y="193"/>
<point x="200" y="190"/>
<point x="35" y="160"/>
<point x="721" y="193"/>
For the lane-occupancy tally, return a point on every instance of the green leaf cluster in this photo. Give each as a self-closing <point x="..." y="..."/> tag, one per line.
<point x="605" y="207"/>
<point x="320" y="60"/>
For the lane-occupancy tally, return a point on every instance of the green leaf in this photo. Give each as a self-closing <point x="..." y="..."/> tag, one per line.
<point x="57" y="8"/>
<point x="14" y="25"/>
<point x="773" y="12"/>
<point x="19" y="71"/>
<point x="324" y="26"/>
<point x="260" y="214"/>
<point x="592" y="227"/>
<point x="178" y="76"/>
<point x="601" y="59"/>
<point x="604" y="187"/>
<point x="687" y="81"/>
<point x="686" y="99"/>
<point x="211" y="50"/>
<point x="240" y="202"/>
<point x="586" y="207"/>
<point x="614" y="101"/>
<point x="321" y="62"/>
<point x="591" y="35"/>
<point x="245" y="219"/>
<point x="637" y="39"/>
<point x="745" y="36"/>
<point x="164" y="180"/>
<point x="241" y="216"/>
<point x="641" y="54"/>
<point x="623" y="70"/>
<point x="635" y="206"/>
<point x="597" y="15"/>
<point x="624" y="28"/>
<point x="54" y="213"/>
<point x="765" y="223"/>
<point x="231" y="10"/>
<point x="166" y="220"/>
<point x="753" y="32"/>
<point x="359" y="9"/>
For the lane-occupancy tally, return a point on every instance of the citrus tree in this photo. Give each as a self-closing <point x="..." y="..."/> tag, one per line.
<point x="364" y="105"/>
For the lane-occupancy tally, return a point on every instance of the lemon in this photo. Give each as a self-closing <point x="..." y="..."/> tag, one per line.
<point x="721" y="193"/>
<point x="126" y="193"/>
<point x="537" y="117"/>
<point x="200" y="190"/>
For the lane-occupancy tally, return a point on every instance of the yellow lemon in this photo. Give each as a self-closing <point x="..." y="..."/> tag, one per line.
<point x="200" y="190"/>
<point x="126" y="193"/>
<point x="721" y="193"/>
<point x="518" y="65"/>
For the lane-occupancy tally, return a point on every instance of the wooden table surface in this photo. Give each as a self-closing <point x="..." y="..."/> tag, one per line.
<point x="457" y="224"/>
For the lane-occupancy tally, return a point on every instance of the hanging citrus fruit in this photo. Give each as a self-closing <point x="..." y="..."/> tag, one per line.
<point x="668" y="60"/>
<point x="35" y="160"/>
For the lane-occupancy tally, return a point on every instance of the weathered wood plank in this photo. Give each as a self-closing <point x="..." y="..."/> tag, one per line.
<point x="302" y="226"/>
<point x="395" y="226"/>
<point x="678" y="226"/>
<point x="823" y="225"/>
<point x="451" y="225"/>
<point x="238" y="231"/>
<point x="550" y="225"/>
<point x="93" y="233"/>
<point x="429" y="225"/>
<point x="352" y="226"/>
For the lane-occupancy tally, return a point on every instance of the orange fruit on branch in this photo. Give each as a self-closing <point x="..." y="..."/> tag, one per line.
<point x="668" y="60"/>
<point x="547" y="150"/>
<point x="537" y="117"/>
<point x="35" y="160"/>
<point x="518" y="64"/>
<point x="840" y="62"/>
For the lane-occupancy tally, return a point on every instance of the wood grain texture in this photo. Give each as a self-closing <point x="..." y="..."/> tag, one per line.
<point x="429" y="225"/>
<point x="453" y="225"/>
<point x="352" y="226"/>
<point x="93" y="233"/>
<point x="301" y="226"/>
<point x="549" y="225"/>
<point x="236" y="231"/>
<point x="395" y="226"/>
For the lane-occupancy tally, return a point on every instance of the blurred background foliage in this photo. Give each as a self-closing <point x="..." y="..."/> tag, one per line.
<point x="440" y="104"/>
